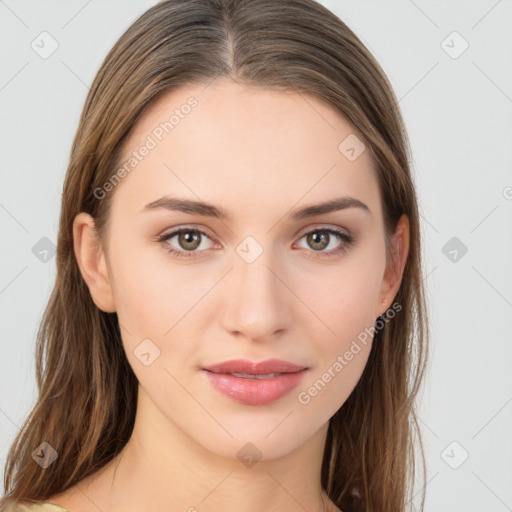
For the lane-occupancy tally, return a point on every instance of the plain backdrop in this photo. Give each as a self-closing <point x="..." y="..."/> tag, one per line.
<point x="450" y="63"/>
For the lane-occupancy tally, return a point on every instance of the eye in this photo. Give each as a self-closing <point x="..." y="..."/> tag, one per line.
<point x="325" y="238"/>
<point x="188" y="240"/>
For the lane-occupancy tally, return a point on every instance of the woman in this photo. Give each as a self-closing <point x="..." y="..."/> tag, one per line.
<point x="238" y="318"/>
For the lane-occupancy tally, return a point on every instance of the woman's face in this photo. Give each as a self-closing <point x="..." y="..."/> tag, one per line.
<point x="250" y="277"/>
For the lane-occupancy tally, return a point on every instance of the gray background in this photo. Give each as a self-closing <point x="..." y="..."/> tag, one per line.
<point x="458" y="112"/>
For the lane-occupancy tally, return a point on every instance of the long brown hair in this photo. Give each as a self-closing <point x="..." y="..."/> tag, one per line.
<point x="87" y="390"/>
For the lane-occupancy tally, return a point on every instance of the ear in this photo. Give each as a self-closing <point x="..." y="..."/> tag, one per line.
<point x="91" y="261"/>
<point x="395" y="268"/>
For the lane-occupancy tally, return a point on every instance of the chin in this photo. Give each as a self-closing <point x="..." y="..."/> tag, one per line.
<point x="259" y="435"/>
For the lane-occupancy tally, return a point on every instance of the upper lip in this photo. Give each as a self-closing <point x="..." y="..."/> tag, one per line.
<point x="255" y="368"/>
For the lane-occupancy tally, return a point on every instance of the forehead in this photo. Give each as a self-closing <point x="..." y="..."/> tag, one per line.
<point x="264" y="145"/>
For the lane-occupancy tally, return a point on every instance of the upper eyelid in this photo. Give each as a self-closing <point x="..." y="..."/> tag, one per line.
<point x="178" y="230"/>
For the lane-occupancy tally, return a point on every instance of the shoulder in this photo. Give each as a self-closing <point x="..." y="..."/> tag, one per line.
<point x="39" y="506"/>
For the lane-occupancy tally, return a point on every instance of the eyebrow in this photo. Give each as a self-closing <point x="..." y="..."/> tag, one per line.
<point x="201" y="208"/>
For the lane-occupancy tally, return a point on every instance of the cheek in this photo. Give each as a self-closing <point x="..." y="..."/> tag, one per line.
<point x="343" y="298"/>
<point x="345" y="301"/>
<point x="147" y="294"/>
<point x="351" y="318"/>
<point x="357" y="297"/>
<point x="342" y="349"/>
<point x="158" y="300"/>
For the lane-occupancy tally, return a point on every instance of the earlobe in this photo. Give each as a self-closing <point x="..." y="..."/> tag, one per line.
<point x="395" y="268"/>
<point x="90" y="258"/>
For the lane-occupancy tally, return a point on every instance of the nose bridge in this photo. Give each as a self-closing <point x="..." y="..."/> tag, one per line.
<point x="258" y="304"/>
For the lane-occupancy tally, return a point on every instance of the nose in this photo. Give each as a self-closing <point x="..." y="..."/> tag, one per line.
<point x="258" y="305"/>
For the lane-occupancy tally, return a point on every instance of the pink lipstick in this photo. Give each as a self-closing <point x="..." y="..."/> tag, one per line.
<point x="254" y="383"/>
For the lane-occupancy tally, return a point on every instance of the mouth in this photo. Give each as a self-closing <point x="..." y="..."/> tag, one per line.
<point x="255" y="376"/>
<point x="254" y="383"/>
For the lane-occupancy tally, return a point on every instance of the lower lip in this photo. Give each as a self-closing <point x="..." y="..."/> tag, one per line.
<point x="254" y="391"/>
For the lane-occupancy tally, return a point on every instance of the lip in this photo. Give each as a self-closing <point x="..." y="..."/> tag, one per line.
<point x="254" y="391"/>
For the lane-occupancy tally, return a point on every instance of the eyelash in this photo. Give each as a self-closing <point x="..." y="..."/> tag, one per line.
<point x="347" y="240"/>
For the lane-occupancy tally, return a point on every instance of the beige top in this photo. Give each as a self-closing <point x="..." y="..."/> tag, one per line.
<point x="42" y="506"/>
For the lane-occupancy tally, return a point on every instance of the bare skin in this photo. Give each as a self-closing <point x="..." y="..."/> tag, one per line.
<point x="260" y="155"/>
